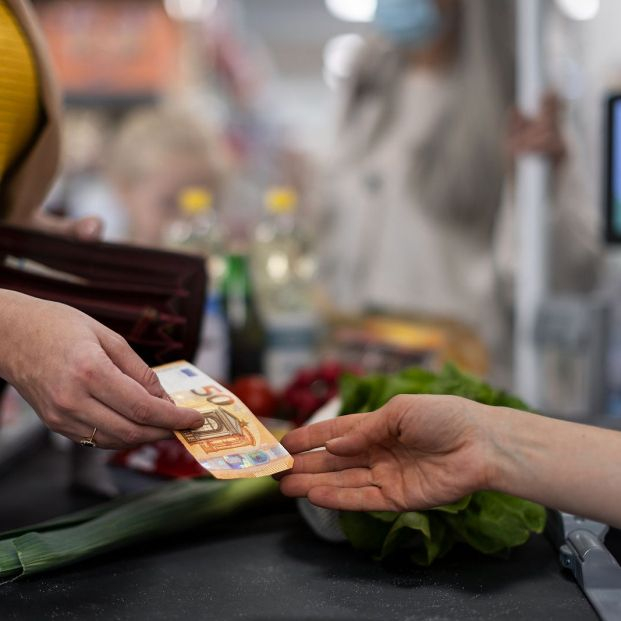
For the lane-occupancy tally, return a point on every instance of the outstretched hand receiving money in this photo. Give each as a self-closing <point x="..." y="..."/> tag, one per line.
<point x="422" y="451"/>
<point x="415" y="452"/>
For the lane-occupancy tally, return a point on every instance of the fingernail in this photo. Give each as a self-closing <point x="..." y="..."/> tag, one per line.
<point x="89" y="229"/>
<point x="198" y="422"/>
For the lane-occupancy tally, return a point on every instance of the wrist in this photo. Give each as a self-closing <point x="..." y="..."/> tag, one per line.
<point x="519" y="450"/>
<point x="489" y="443"/>
<point x="484" y="419"/>
<point x="502" y="431"/>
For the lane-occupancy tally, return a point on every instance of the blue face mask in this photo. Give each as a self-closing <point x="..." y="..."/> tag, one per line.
<point x="411" y="23"/>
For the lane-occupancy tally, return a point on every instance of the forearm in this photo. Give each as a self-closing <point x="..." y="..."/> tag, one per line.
<point x="563" y="465"/>
<point x="14" y="311"/>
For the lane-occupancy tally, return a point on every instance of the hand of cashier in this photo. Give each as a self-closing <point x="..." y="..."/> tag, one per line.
<point x="422" y="451"/>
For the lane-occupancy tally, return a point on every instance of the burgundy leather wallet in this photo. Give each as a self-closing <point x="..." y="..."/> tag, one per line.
<point x="153" y="298"/>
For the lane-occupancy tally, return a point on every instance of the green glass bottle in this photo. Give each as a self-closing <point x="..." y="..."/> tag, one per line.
<point x="246" y="335"/>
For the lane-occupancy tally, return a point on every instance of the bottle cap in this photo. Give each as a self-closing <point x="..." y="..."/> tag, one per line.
<point x="194" y="200"/>
<point x="281" y="200"/>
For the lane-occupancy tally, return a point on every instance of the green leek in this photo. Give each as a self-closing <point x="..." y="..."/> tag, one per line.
<point x="172" y="508"/>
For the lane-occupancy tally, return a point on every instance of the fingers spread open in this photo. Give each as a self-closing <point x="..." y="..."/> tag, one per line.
<point x="349" y="499"/>
<point x="315" y="436"/>
<point x="300" y="484"/>
<point x="323" y="461"/>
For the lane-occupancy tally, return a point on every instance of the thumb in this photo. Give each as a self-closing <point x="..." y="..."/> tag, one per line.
<point x="87" y="229"/>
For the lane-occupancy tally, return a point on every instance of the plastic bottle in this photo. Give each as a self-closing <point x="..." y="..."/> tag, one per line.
<point x="284" y="288"/>
<point x="196" y="229"/>
<point x="275" y="251"/>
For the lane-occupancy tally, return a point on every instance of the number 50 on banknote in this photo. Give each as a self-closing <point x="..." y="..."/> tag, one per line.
<point x="232" y="443"/>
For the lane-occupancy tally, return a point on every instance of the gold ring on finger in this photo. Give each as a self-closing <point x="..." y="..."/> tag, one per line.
<point x="89" y="442"/>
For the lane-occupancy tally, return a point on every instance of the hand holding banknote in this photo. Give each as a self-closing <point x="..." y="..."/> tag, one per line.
<point x="78" y="375"/>
<point x="232" y="443"/>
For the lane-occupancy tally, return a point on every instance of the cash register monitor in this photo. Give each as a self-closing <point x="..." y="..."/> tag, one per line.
<point x="613" y="170"/>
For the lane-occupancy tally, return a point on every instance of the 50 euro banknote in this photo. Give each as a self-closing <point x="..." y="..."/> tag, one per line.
<point x="232" y="443"/>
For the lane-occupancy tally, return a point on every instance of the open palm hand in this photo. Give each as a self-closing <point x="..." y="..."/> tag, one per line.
<point x="416" y="452"/>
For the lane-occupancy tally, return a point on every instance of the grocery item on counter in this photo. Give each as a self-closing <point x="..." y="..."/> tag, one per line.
<point x="257" y="394"/>
<point x="283" y="272"/>
<point x="490" y="522"/>
<point x="197" y="229"/>
<point x="154" y="516"/>
<point x="164" y="458"/>
<point x="311" y="388"/>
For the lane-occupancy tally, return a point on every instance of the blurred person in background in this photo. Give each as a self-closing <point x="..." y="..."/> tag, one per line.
<point x="156" y="155"/>
<point x="82" y="379"/>
<point x="418" y="212"/>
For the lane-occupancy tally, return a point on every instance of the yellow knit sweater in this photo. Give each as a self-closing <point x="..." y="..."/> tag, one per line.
<point x="19" y="95"/>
